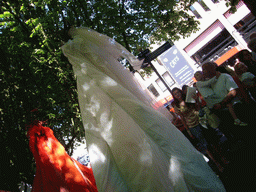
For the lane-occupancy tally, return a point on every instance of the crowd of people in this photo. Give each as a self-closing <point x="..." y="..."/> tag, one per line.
<point x="223" y="106"/>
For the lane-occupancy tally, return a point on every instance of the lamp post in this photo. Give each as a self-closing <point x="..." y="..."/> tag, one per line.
<point x="148" y="57"/>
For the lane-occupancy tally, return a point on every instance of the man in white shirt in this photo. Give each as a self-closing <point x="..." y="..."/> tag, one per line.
<point x="226" y="90"/>
<point x="225" y="87"/>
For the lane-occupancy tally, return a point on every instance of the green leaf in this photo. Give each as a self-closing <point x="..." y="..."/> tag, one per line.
<point x="7" y="14"/>
<point x="2" y="23"/>
<point x="51" y="116"/>
<point x="15" y="29"/>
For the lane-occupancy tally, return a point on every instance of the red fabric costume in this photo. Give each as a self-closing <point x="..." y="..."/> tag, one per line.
<point x="56" y="171"/>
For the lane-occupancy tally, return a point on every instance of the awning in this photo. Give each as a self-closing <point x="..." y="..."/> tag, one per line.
<point x="230" y="53"/>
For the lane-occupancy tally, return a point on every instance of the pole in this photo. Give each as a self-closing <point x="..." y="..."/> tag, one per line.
<point x="148" y="57"/>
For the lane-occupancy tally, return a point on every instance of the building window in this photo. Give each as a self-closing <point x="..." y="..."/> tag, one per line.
<point x="205" y="7"/>
<point x="161" y="84"/>
<point x="215" y="1"/>
<point x="214" y="47"/>
<point x="239" y="25"/>
<point x="169" y="80"/>
<point x="153" y="90"/>
<point x="194" y="11"/>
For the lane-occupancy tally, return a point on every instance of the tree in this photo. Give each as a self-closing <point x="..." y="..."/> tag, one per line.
<point x="37" y="81"/>
<point x="249" y="3"/>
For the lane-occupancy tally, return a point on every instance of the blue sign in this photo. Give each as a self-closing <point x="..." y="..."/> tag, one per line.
<point x="177" y="65"/>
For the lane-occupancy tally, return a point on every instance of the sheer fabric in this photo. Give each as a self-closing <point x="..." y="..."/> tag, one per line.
<point x="132" y="146"/>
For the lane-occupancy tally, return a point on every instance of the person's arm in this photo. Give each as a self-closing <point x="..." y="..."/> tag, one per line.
<point x="198" y="103"/>
<point x="207" y="83"/>
<point x="226" y="100"/>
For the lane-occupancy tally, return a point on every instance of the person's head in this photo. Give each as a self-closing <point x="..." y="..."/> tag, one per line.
<point x="184" y="89"/>
<point x="199" y="76"/>
<point x="240" y="68"/>
<point x="177" y="95"/>
<point x="244" y="55"/>
<point x="252" y="35"/>
<point x="209" y="69"/>
<point x="252" y="44"/>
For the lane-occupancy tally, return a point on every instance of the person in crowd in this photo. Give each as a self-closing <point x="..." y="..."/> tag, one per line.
<point x="225" y="69"/>
<point x="242" y="93"/>
<point x="189" y="114"/>
<point x="247" y="78"/>
<point x="245" y="56"/>
<point x="224" y="87"/>
<point x="211" y="123"/>
<point x="206" y="90"/>
<point x="177" y="121"/>
<point x="252" y="35"/>
<point x="227" y="90"/>
<point x="184" y="89"/>
<point x="202" y="105"/>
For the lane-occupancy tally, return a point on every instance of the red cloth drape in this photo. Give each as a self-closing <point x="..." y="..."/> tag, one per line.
<point x="56" y="171"/>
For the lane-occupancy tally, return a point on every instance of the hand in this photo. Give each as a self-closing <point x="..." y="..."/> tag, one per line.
<point x="217" y="106"/>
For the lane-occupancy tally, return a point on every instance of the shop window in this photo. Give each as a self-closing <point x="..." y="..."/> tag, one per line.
<point x="169" y="80"/>
<point x="161" y="84"/>
<point x="153" y="90"/>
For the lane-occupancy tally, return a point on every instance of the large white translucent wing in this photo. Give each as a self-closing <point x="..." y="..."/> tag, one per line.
<point x="132" y="147"/>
